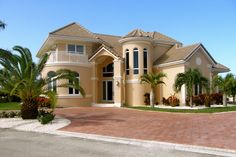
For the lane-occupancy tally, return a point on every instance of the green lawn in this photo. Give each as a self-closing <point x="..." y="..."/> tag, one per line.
<point x="205" y="110"/>
<point x="10" y="106"/>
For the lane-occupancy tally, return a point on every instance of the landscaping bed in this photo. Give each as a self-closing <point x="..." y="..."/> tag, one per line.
<point x="200" y="110"/>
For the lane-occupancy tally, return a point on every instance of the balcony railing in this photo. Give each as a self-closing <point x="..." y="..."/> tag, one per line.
<point x="65" y="57"/>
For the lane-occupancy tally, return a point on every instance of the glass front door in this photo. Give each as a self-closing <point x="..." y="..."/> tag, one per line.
<point x="107" y="90"/>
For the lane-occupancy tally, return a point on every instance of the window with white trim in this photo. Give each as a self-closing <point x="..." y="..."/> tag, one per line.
<point x="52" y="85"/>
<point x="197" y="89"/>
<point x="108" y="71"/>
<point x="135" y="61"/>
<point x="77" y="49"/>
<point x="72" y="90"/>
<point x="127" y="61"/>
<point x="145" y="61"/>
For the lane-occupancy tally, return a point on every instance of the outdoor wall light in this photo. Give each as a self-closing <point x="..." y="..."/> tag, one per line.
<point x="117" y="83"/>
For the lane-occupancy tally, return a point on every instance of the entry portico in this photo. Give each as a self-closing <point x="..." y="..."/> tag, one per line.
<point x="107" y="79"/>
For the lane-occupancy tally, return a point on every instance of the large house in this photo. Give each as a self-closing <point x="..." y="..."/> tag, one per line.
<point x="109" y="67"/>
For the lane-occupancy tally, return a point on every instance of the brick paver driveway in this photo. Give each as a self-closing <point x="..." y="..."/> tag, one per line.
<point x="213" y="130"/>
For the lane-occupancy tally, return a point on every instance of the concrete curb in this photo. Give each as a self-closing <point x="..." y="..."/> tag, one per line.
<point x="145" y="143"/>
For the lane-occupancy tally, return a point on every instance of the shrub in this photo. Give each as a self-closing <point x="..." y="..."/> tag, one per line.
<point x="45" y="117"/>
<point x="173" y="100"/>
<point x="10" y="114"/>
<point x="147" y="99"/>
<point x="43" y="102"/>
<point x="217" y="98"/>
<point x="165" y="101"/>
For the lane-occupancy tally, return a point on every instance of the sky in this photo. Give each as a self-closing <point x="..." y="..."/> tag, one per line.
<point x="211" y="22"/>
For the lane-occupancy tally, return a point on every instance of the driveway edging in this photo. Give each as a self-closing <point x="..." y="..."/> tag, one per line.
<point x="146" y="143"/>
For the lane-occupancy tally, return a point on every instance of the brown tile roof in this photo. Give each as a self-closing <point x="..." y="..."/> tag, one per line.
<point x="221" y="67"/>
<point x="176" y="54"/>
<point x="74" y="29"/>
<point x="153" y="35"/>
<point x="112" y="42"/>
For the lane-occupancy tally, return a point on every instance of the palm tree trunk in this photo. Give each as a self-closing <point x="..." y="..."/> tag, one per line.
<point x="152" y="98"/>
<point x="29" y="109"/>
<point x="191" y="101"/>
<point x="224" y="100"/>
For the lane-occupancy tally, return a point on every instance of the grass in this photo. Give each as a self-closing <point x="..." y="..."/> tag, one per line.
<point x="205" y="110"/>
<point x="10" y="106"/>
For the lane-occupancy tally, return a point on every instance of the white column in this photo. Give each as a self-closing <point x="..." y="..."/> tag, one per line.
<point x="118" y="82"/>
<point x="94" y="82"/>
<point x="183" y="95"/>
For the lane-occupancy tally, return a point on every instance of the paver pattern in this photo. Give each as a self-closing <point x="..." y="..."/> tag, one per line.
<point x="212" y="130"/>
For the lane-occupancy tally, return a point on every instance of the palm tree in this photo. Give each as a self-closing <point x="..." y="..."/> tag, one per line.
<point x="24" y="79"/>
<point x="154" y="79"/>
<point x="190" y="78"/>
<point x="2" y="25"/>
<point x="225" y="84"/>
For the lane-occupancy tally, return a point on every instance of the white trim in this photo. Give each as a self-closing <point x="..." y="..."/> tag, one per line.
<point x="103" y="48"/>
<point x="127" y="39"/>
<point x="169" y="64"/>
<point x="133" y="81"/>
<point x="68" y="37"/>
<point x="52" y="64"/>
<point x="117" y="77"/>
<point x="72" y="96"/>
<point x="76" y="53"/>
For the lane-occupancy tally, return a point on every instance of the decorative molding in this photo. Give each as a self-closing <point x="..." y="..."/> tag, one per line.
<point x="73" y="96"/>
<point x="51" y="64"/>
<point x="169" y="64"/>
<point x="94" y="78"/>
<point x="133" y="81"/>
<point x="103" y="48"/>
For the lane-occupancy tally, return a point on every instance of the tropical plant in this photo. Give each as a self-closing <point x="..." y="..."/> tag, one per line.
<point x="2" y="25"/>
<point x="225" y="84"/>
<point x="24" y="79"/>
<point x="153" y="79"/>
<point x="190" y="78"/>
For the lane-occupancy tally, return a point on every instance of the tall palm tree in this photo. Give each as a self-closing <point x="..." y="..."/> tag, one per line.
<point x="2" y="25"/>
<point x="24" y="81"/>
<point x="154" y="79"/>
<point x="225" y="84"/>
<point x="190" y="78"/>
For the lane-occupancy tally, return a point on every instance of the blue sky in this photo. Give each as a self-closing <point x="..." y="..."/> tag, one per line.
<point x="211" y="22"/>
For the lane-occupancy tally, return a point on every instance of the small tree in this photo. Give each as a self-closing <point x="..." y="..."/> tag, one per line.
<point x="21" y="77"/>
<point x="225" y="84"/>
<point x="2" y="25"/>
<point x="154" y="79"/>
<point x="189" y="78"/>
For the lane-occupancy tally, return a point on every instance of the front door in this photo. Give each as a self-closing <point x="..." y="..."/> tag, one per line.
<point x="107" y="90"/>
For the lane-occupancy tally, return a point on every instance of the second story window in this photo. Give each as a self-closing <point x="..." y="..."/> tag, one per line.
<point x="135" y="60"/>
<point x="108" y="71"/>
<point x="77" y="49"/>
<point x="145" y="61"/>
<point x="127" y="61"/>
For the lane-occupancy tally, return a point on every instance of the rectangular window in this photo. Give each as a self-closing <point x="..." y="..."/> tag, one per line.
<point x="78" y="49"/>
<point x="145" y="62"/>
<point x="71" y="48"/>
<point x="136" y="62"/>
<point x="72" y="90"/>
<point x="127" y="63"/>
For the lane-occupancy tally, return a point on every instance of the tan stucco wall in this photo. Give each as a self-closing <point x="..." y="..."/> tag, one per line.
<point x="135" y="93"/>
<point x="165" y="90"/>
<point x="85" y="78"/>
<point x="203" y="67"/>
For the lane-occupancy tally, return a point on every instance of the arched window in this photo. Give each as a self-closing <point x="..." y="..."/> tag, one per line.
<point x="108" y="71"/>
<point x="72" y="90"/>
<point x="145" y="59"/>
<point x="127" y="61"/>
<point x="135" y="61"/>
<point x="52" y="85"/>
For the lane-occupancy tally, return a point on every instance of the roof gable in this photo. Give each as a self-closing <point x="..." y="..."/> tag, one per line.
<point x="74" y="29"/>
